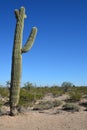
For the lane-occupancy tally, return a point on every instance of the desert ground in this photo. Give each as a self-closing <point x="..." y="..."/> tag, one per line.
<point x="51" y="119"/>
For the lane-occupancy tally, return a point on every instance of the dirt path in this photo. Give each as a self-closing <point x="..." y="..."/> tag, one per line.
<point x="41" y="121"/>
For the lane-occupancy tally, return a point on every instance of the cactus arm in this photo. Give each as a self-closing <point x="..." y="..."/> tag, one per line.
<point x="16" y="13"/>
<point x="30" y="40"/>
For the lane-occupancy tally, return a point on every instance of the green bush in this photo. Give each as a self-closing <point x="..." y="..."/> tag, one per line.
<point x="57" y="103"/>
<point x="56" y="91"/>
<point x="66" y="86"/>
<point x="71" y="107"/>
<point x="27" y="98"/>
<point x="82" y="90"/>
<point x="4" y="92"/>
<point x="75" y="96"/>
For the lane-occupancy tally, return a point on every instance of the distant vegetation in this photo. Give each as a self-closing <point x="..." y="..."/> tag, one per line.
<point x="29" y="93"/>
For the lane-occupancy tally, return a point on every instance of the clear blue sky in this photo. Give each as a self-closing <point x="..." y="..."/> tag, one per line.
<point x="60" y="50"/>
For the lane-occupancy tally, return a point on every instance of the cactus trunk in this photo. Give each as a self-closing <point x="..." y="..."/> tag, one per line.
<point x="16" y="70"/>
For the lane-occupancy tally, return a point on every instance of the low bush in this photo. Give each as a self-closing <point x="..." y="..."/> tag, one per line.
<point x="44" y="105"/>
<point x="84" y="103"/>
<point x="1" y="103"/>
<point x="27" y="98"/>
<point x="57" y="103"/>
<point x="4" y="92"/>
<point x="71" y="107"/>
<point x="75" y="96"/>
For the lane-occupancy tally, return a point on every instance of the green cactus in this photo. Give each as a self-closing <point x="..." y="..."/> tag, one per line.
<point x="17" y="58"/>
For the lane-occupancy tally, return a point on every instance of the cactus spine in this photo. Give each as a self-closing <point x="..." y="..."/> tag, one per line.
<point x="16" y="69"/>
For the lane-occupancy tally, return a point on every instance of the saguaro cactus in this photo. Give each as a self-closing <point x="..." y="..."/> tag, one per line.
<point x="17" y="58"/>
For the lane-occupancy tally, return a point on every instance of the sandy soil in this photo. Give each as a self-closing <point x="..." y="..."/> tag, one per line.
<point x="42" y="121"/>
<point x="48" y="120"/>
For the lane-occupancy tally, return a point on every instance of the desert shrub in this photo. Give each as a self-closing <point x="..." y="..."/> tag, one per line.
<point x="28" y="86"/>
<point x="66" y="86"/>
<point x="1" y="103"/>
<point x="1" y="111"/>
<point x="84" y="103"/>
<point x="57" y="103"/>
<point x="75" y="96"/>
<point x="4" y="92"/>
<point x="27" y="98"/>
<point x="44" y="105"/>
<point x="38" y="96"/>
<point x="56" y="91"/>
<point x="71" y="107"/>
<point x="82" y="90"/>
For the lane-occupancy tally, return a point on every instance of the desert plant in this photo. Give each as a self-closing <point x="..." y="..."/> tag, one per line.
<point x="71" y="107"/>
<point x="56" y="91"/>
<point x="1" y="103"/>
<point x="2" y="112"/>
<point x="44" y="105"/>
<point x="75" y="96"/>
<point x="83" y="103"/>
<point x="66" y="86"/>
<point x="28" y="98"/>
<point x="18" y="50"/>
<point x="4" y="92"/>
<point x="28" y="86"/>
<point x="57" y="103"/>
